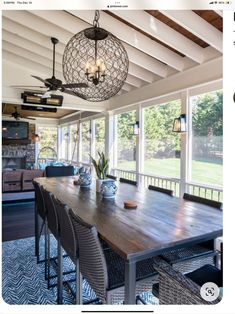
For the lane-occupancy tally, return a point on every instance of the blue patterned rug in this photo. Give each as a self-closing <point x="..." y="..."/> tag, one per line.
<point x="23" y="279"/>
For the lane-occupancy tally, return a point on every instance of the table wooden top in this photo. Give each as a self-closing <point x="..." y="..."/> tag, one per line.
<point x="159" y="222"/>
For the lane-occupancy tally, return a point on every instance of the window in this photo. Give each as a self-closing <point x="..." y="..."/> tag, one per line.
<point x="48" y="138"/>
<point x="207" y="138"/>
<point x="126" y="141"/>
<point x="99" y="142"/>
<point x="86" y="141"/>
<point x="162" y="146"/>
<point x="73" y="142"/>
<point x="64" y="142"/>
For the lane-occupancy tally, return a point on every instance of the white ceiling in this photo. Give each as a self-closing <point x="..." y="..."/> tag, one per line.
<point x="27" y="48"/>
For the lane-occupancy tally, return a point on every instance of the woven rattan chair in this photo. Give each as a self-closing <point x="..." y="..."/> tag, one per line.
<point x="202" y="200"/>
<point x="104" y="269"/>
<point x="111" y="177"/>
<point x="69" y="244"/>
<point x="123" y="180"/>
<point x="162" y="190"/>
<point x="189" y="259"/>
<point x="53" y="226"/>
<point x="40" y="214"/>
<point x="176" y="288"/>
<point x="59" y="171"/>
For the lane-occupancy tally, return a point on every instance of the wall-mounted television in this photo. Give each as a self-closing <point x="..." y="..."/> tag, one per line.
<point x="15" y="130"/>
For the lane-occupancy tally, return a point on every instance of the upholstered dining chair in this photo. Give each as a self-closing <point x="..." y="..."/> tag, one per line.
<point x="123" y="180"/>
<point x="104" y="270"/>
<point x="177" y="288"/>
<point x="59" y="171"/>
<point x="161" y="190"/>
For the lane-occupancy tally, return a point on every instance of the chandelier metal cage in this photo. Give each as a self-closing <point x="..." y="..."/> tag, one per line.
<point x="98" y="58"/>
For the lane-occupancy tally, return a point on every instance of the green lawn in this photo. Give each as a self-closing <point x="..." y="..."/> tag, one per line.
<point x="202" y="171"/>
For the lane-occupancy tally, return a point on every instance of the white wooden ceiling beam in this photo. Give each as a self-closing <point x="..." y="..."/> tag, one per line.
<point x="74" y="24"/>
<point x="198" y="26"/>
<point x="45" y="61"/>
<point x="162" y="32"/>
<point x="43" y="27"/>
<point x="146" y="62"/>
<point x="23" y="43"/>
<point x="199" y="75"/>
<point x="31" y="34"/>
<point x="134" y="38"/>
<point x="135" y="81"/>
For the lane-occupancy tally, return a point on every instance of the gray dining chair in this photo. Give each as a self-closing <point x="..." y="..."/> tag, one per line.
<point x="202" y="200"/>
<point x="123" y="180"/>
<point x="161" y="190"/>
<point x="104" y="270"/>
<point x="177" y="288"/>
<point x="109" y="176"/>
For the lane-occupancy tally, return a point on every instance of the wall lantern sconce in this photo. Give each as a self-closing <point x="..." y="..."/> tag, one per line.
<point x="136" y="128"/>
<point x="35" y="137"/>
<point x="179" y="124"/>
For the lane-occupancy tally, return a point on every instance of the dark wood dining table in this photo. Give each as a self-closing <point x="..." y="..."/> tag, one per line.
<point x="159" y="224"/>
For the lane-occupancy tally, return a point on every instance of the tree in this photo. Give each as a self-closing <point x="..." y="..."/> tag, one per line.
<point x="208" y="114"/>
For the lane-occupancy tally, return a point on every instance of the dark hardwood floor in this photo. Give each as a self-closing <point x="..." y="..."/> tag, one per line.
<point x="17" y="220"/>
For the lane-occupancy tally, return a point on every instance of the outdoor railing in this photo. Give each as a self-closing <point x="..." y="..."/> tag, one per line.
<point x="146" y="179"/>
<point x="206" y="191"/>
<point x="163" y="182"/>
<point x="210" y="192"/>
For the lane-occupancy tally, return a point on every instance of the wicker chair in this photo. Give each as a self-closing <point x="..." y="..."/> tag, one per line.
<point x="123" y="180"/>
<point x="162" y="190"/>
<point x="53" y="227"/>
<point x="176" y="288"/>
<point x="189" y="259"/>
<point x="69" y="244"/>
<point x="111" y="177"/>
<point x="104" y="269"/>
<point x="202" y="200"/>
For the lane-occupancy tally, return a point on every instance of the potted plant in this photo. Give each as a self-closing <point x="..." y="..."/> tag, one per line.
<point x="101" y="168"/>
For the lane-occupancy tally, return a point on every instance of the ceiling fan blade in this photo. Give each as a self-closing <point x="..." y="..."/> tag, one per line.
<point x="74" y="85"/>
<point x="67" y="91"/>
<point x="42" y="80"/>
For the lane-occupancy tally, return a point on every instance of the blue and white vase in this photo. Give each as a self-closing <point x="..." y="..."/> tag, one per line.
<point x="85" y="179"/>
<point x="108" y="188"/>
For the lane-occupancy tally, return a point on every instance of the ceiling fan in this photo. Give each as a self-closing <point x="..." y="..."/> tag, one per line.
<point x="16" y="115"/>
<point x="53" y="84"/>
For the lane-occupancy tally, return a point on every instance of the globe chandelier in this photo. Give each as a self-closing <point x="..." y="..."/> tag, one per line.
<point x="98" y="58"/>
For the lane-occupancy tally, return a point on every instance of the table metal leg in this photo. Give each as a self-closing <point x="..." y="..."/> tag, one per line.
<point x="59" y="274"/>
<point x="36" y="233"/>
<point x="130" y="281"/>
<point x="78" y="283"/>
